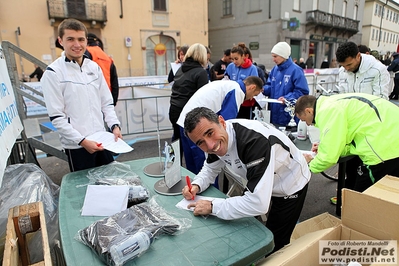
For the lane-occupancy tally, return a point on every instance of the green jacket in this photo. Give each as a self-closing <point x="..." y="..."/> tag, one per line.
<point x="355" y="124"/>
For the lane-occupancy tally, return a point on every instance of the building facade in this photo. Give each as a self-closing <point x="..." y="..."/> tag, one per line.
<point x="140" y="36"/>
<point x="312" y="28"/>
<point x="381" y="26"/>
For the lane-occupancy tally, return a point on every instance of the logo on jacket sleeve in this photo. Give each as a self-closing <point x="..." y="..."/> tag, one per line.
<point x="255" y="162"/>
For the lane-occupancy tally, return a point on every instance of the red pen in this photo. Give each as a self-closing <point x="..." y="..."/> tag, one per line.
<point x="99" y="144"/>
<point x="189" y="184"/>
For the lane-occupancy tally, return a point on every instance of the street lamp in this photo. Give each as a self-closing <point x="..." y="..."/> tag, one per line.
<point x="382" y="15"/>
<point x="17" y="33"/>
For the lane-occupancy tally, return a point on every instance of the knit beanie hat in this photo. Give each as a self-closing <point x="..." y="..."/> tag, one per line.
<point x="282" y="49"/>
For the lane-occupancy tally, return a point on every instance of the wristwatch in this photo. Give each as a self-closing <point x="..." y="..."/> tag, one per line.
<point x="114" y="126"/>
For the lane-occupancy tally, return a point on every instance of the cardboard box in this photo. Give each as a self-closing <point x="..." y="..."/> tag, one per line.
<point x="22" y="221"/>
<point x="319" y="222"/>
<point x="371" y="215"/>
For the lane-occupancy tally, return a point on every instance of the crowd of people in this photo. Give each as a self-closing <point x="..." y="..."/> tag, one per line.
<point x="260" y="153"/>
<point x="276" y="173"/>
<point x="211" y="111"/>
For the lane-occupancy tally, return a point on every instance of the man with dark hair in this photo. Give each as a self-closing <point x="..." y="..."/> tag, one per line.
<point x="227" y="96"/>
<point x="95" y="52"/>
<point x="220" y="66"/>
<point x="353" y="124"/>
<point x="363" y="49"/>
<point x="272" y="169"/>
<point x="361" y="72"/>
<point x="78" y="99"/>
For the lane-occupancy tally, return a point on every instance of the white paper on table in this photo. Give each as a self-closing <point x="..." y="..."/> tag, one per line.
<point x="184" y="203"/>
<point x="105" y="200"/>
<point x="259" y="99"/>
<point x="308" y="152"/>
<point x="107" y="140"/>
<point x="175" y="67"/>
<point x="268" y="100"/>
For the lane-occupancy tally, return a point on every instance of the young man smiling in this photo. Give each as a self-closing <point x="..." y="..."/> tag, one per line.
<point x="78" y="99"/>
<point x="226" y="98"/>
<point x="275" y="171"/>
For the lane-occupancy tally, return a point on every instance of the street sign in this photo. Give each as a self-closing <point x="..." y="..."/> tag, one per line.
<point x="293" y="24"/>
<point x="128" y="41"/>
<point x="254" y="46"/>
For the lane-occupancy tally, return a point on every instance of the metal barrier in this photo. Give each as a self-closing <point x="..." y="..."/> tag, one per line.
<point x="144" y="110"/>
<point x="23" y="150"/>
<point x="139" y="115"/>
<point x="328" y="81"/>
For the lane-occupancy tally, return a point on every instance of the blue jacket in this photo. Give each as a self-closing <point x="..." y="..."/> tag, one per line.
<point x="287" y="80"/>
<point x="240" y="73"/>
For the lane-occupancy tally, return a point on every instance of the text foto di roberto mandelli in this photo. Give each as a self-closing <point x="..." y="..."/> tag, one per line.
<point x="358" y="242"/>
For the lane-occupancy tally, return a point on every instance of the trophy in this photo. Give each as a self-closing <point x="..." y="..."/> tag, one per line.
<point x="290" y="108"/>
<point x="158" y="169"/>
<point x="169" y="156"/>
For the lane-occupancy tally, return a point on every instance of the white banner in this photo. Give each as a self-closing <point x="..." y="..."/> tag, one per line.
<point x="33" y="108"/>
<point x="159" y="82"/>
<point x="10" y="123"/>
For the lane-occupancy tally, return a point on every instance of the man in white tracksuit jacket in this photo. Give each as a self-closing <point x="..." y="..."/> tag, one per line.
<point x="361" y="72"/>
<point x="275" y="171"/>
<point x="78" y="99"/>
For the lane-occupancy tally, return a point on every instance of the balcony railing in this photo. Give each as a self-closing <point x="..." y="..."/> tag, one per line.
<point x="91" y="10"/>
<point x="325" y="19"/>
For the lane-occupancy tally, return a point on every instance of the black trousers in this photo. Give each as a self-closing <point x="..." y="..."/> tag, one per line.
<point x="352" y="167"/>
<point x="395" y="92"/>
<point x="284" y="215"/>
<point x="80" y="159"/>
<point x="369" y="174"/>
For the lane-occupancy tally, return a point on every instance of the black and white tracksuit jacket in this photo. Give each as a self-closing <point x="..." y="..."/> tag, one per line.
<point x="262" y="157"/>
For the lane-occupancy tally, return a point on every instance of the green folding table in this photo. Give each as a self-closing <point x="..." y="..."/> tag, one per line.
<point x="210" y="241"/>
